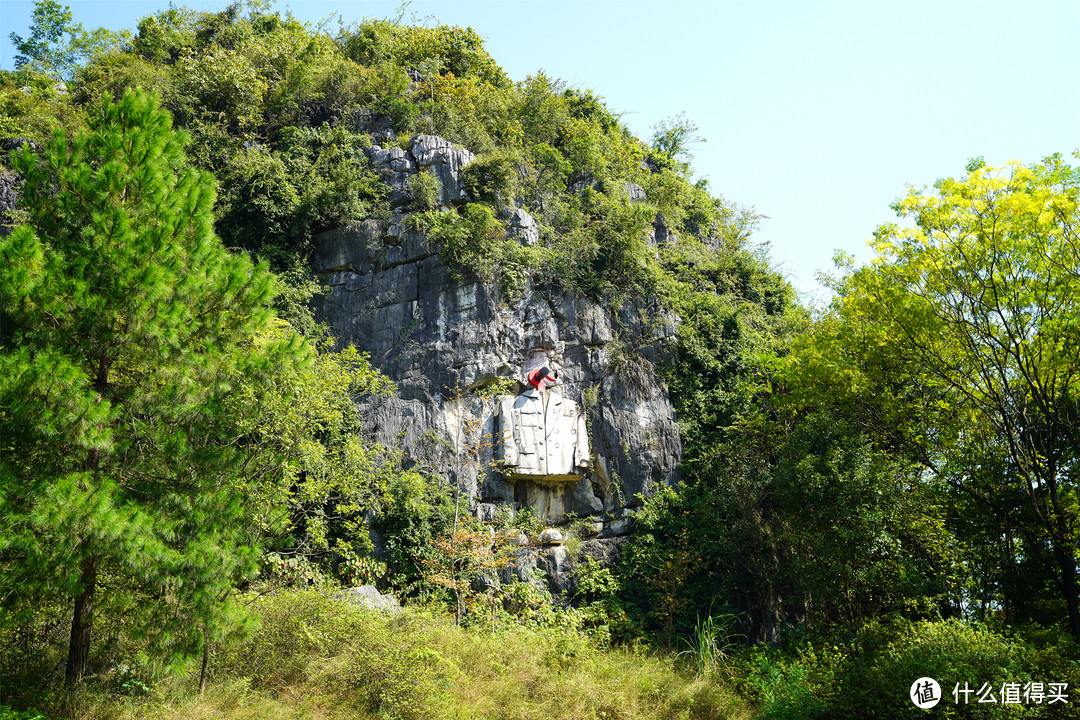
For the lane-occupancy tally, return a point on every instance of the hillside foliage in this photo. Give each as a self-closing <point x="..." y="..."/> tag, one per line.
<point x="890" y="479"/>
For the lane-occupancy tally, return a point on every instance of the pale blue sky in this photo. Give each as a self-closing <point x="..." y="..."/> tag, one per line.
<point x="817" y="114"/>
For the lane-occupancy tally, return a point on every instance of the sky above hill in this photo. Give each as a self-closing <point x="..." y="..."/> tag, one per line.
<point x="816" y="114"/>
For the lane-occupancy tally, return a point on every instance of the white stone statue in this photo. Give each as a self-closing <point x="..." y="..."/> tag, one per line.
<point x="542" y="436"/>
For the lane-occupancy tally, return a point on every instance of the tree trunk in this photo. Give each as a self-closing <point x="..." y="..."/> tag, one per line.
<point x="82" y="618"/>
<point x="1063" y="542"/>
<point x="1067" y="566"/>
<point x="205" y="664"/>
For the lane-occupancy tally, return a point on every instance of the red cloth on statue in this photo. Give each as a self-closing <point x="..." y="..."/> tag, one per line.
<point x="536" y="379"/>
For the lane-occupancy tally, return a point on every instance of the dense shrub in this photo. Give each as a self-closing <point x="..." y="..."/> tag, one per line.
<point x="273" y="199"/>
<point x="475" y="245"/>
<point x="871" y="674"/>
<point x="32" y="107"/>
<point x="402" y="114"/>
<point x="424" y="188"/>
<point x="490" y="179"/>
<point x="8" y="713"/>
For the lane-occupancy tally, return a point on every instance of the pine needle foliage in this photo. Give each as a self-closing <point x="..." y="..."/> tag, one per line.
<point x="128" y="320"/>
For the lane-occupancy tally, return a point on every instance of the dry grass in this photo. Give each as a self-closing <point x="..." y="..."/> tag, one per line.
<point x="315" y="658"/>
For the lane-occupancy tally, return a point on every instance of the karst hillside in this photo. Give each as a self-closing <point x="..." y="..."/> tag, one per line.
<point x="344" y="376"/>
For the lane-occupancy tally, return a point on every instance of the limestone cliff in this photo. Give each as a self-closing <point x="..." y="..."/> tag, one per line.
<point x="448" y="342"/>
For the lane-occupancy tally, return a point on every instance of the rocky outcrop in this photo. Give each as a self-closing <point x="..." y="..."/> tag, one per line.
<point x="445" y="162"/>
<point x="426" y="153"/>
<point x="9" y="182"/>
<point x="368" y="596"/>
<point x="551" y="567"/>
<point x="9" y="185"/>
<point x="662" y="234"/>
<point x="551" y="536"/>
<point x="522" y="226"/>
<point x="634" y="192"/>
<point x="448" y="342"/>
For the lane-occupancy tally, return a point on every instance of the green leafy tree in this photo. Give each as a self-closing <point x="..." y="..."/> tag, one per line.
<point x="672" y="139"/>
<point x="966" y="331"/>
<point x="128" y="323"/>
<point x="466" y="559"/>
<point x="51" y="41"/>
<point x="317" y="476"/>
<point x="163" y="36"/>
<point x="797" y="522"/>
<point x="57" y="43"/>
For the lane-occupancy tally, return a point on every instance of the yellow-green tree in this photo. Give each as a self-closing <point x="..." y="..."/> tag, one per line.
<point x="965" y="331"/>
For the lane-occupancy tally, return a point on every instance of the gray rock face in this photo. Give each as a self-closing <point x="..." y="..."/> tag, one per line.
<point x="443" y="341"/>
<point x="368" y="596"/>
<point x="375" y="124"/>
<point x="580" y="184"/>
<point x="523" y="226"/>
<point x="8" y="199"/>
<point x="396" y="169"/>
<point x="13" y="144"/>
<point x="661" y="232"/>
<point x="444" y="161"/>
<point x="557" y="567"/>
<point x="634" y="192"/>
<point x="552" y="568"/>
<point x="8" y="192"/>
<point x="553" y="564"/>
<point x="426" y="153"/>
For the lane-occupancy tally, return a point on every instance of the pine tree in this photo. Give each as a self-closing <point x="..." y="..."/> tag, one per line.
<point x="127" y="323"/>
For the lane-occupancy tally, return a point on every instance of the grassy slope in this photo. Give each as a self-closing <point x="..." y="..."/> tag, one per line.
<point x="314" y="657"/>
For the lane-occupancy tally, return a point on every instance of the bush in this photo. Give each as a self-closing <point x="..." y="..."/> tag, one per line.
<point x="402" y="113"/>
<point x="35" y="112"/>
<point x="897" y="654"/>
<point x="8" y="713"/>
<point x="424" y="188"/>
<point x="474" y="245"/>
<point x="490" y="179"/>
<point x="871" y="675"/>
<point x="784" y="687"/>
<point x="273" y="200"/>
<point x="367" y="658"/>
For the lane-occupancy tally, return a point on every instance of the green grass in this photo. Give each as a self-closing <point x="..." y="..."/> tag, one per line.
<point x="314" y="657"/>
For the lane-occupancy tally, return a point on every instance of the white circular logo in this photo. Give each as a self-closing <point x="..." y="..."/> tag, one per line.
<point x="925" y="692"/>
